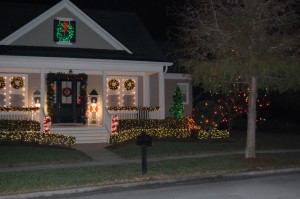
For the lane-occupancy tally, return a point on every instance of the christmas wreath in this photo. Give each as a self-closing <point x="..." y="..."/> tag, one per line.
<point x="67" y="92"/>
<point x="67" y="27"/>
<point x="113" y="84"/>
<point x="2" y="82"/>
<point x="129" y="84"/>
<point x="17" y="82"/>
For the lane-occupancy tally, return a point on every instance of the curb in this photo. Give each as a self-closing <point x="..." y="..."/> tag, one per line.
<point x="134" y="185"/>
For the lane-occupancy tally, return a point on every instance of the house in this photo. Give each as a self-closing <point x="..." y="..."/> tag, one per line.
<point x="82" y="67"/>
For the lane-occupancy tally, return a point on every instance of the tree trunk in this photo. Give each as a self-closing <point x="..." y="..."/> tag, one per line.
<point x="251" y="125"/>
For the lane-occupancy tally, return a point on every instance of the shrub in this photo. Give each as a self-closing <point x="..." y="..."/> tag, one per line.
<point x="171" y="128"/>
<point x="36" y="137"/>
<point x="19" y="125"/>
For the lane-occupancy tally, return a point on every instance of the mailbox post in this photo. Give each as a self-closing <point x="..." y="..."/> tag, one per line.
<point x="144" y="140"/>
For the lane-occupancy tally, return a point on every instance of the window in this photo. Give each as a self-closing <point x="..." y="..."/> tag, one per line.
<point x="121" y="91"/>
<point x="13" y="90"/>
<point x="64" y="31"/>
<point x="184" y="87"/>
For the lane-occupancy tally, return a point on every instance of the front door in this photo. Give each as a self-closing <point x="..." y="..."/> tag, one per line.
<point x="67" y="108"/>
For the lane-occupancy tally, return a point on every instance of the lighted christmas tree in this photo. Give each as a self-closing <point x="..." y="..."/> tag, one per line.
<point x="177" y="107"/>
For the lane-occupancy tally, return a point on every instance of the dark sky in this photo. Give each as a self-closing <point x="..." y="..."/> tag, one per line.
<point x="151" y="12"/>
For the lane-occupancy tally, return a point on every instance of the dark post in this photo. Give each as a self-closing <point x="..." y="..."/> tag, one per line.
<point x="144" y="159"/>
<point x="144" y="140"/>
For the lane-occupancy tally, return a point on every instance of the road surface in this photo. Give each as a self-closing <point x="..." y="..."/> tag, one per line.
<point x="268" y="187"/>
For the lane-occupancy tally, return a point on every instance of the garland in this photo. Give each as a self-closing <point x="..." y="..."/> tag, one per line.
<point x="2" y="82"/>
<point x="129" y="108"/>
<point x="82" y="78"/>
<point x="17" y="82"/>
<point x="129" y="84"/>
<point x="18" y="108"/>
<point x="113" y="84"/>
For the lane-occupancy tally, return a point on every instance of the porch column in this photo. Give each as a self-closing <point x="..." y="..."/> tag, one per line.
<point x="42" y="106"/>
<point x="104" y="76"/>
<point x="162" y="94"/>
<point x="146" y="89"/>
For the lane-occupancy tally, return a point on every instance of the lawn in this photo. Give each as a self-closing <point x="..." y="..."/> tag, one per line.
<point x="30" y="181"/>
<point x="53" y="179"/>
<point x="28" y="155"/>
<point x="265" y="141"/>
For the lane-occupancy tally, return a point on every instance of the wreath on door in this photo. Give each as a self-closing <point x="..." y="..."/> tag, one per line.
<point x="67" y="92"/>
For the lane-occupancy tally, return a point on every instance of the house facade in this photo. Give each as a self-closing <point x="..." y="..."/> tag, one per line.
<point x="83" y="67"/>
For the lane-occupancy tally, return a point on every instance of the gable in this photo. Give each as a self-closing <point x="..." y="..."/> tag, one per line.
<point x="42" y="35"/>
<point x="116" y="35"/>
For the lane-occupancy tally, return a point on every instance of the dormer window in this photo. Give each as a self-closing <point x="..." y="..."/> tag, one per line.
<point x="64" y="31"/>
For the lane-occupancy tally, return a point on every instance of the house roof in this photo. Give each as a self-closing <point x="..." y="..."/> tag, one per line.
<point x="123" y="26"/>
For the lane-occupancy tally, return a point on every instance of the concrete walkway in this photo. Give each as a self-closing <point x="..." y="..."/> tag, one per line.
<point x="102" y="156"/>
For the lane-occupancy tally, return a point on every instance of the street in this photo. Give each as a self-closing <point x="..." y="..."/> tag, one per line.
<point x="268" y="187"/>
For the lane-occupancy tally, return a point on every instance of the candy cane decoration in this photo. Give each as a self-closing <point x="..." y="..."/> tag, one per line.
<point x="114" y="123"/>
<point x="47" y="124"/>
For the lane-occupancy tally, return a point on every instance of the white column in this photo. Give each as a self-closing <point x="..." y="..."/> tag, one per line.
<point x="161" y="96"/>
<point x="146" y="89"/>
<point x="42" y="106"/>
<point x="104" y="76"/>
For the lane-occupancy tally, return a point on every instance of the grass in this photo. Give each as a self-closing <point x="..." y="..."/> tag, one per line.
<point x="30" y="181"/>
<point x="28" y="155"/>
<point x="265" y="141"/>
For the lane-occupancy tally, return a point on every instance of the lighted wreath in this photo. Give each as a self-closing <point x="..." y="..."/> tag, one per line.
<point x="2" y="82"/>
<point x="129" y="84"/>
<point x="113" y="84"/>
<point x="62" y="28"/>
<point x="17" y="82"/>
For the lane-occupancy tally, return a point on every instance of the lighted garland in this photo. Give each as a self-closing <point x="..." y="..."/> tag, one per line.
<point x="18" y="108"/>
<point x="59" y="32"/>
<point x="129" y="84"/>
<point x="2" y="82"/>
<point x="113" y="84"/>
<point x="17" y="82"/>
<point x="82" y="78"/>
<point x="133" y="108"/>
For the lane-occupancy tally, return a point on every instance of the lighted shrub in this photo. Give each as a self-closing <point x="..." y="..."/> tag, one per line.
<point x="34" y="137"/>
<point x="19" y="125"/>
<point x="179" y="129"/>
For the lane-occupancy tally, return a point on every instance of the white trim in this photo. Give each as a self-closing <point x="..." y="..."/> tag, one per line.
<point x="74" y="10"/>
<point x="146" y="90"/>
<point x="178" y="76"/>
<point x="80" y="64"/>
<point x="186" y="101"/>
<point x="161" y="83"/>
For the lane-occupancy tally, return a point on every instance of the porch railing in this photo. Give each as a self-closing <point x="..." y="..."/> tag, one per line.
<point x="129" y="114"/>
<point x="20" y="115"/>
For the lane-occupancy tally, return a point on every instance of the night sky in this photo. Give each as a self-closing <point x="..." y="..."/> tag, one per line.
<point x="151" y="12"/>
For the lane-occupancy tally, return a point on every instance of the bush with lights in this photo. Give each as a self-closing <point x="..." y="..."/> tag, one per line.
<point x="19" y="125"/>
<point x="28" y="132"/>
<point x="168" y="129"/>
<point x="36" y="137"/>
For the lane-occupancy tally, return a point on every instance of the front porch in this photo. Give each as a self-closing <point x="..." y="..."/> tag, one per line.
<point x="85" y="133"/>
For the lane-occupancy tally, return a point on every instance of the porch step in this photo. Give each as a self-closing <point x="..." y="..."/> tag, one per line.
<point x="84" y="134"/>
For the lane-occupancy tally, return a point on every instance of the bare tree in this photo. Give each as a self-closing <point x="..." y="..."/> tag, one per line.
<point x="255" y="41"/>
